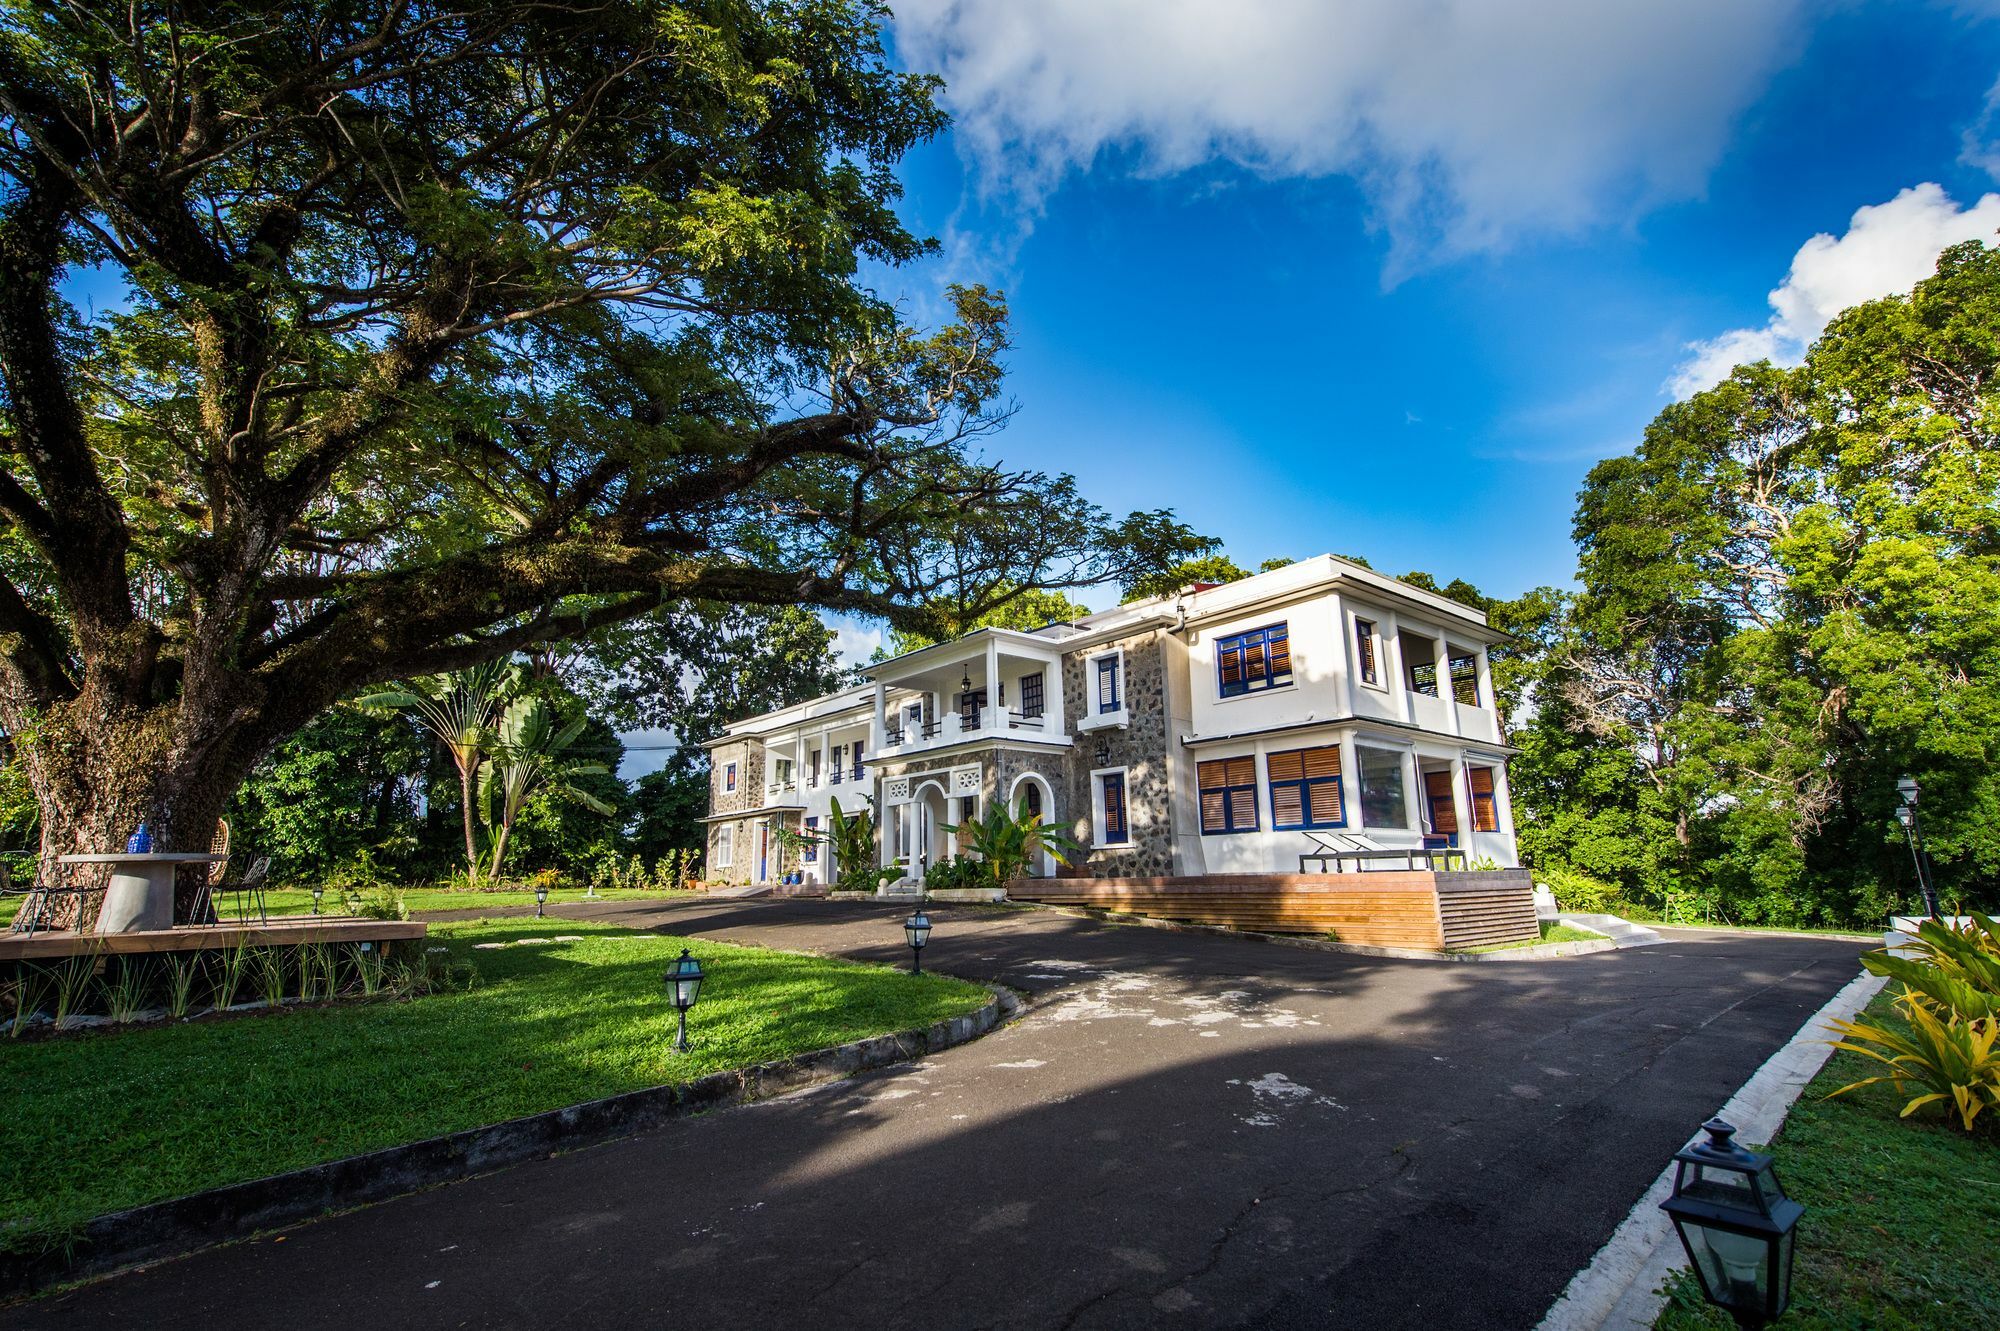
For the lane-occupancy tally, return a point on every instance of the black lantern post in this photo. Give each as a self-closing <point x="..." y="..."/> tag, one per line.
<point x="918" y="930"/>
<point x="1736" y="1224"/>
<point x="541" y="898"/>
<point x="1913" y="832"/>
<point x="684" y="979"/>
<point x="318" y="891"/>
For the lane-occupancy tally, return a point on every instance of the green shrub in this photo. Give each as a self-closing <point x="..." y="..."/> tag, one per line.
<point x="1579" y="893"/>
<point x="949" y="874"/>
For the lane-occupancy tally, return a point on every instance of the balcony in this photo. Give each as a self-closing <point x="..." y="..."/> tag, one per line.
<point x="989" y="685"/>
<point x="972" y="725"/>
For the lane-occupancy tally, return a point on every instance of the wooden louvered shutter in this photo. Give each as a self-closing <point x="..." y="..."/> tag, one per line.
<point x="1322" y="762"/>
<point x="1326" y="808"/>
<point x="1485" y="813"/>
<point x="1288" y="804"/>
<point x="1212" y="778"/>
<point x="1232" y="665"/>
<point x="1286" y="766"/>
<point x="1281" y="654"/>
<point x="1444" y="816"/>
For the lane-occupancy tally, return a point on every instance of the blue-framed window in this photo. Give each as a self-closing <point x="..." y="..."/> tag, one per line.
<point x="1117" y="825"/>
<point x="729" y="777"/>
<point x="1306" y="788"/>
<point x="1031" y="695"/>
<point x="1485" y="809"/>
<point x="811" y="852"/>
<point x="1228" y="795"/>
<point x="1110" y="687"/>
<point x="838" y="772"/>
<point x="1258" y="659"/>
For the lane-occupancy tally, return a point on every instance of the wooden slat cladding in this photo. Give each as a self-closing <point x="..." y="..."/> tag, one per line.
<point x="1387" y="908"/>
<point x="1476" y="910"/>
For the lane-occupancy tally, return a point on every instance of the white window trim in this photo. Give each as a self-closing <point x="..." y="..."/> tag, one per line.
<point x="1097" y="776"/>
<point x="725" y="846"/>
<point x="1121" y="716"/>
<point x="1381" y="681"/>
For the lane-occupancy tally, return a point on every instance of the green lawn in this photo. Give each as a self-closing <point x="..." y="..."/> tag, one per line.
<point x="1902" y="1216"/>
<point x="99" y="1122"/>
<point x="1551" y="933"/>
<point x="298" y="900"/>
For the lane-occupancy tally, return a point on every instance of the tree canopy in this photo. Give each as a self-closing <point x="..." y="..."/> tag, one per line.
<point x="448" y="332"/>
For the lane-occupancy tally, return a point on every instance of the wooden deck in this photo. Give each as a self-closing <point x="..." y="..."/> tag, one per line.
<point x="282" y="931"/>
<point x="1383" y="908"/>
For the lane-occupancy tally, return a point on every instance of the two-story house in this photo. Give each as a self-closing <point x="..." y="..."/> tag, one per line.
<point x="1213" y="731"/>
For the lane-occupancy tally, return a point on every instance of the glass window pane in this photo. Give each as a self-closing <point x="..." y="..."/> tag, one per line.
<point x="1383" y="800"/>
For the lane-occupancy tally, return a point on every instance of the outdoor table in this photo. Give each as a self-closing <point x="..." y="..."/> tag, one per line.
<point x="140" y="894"/>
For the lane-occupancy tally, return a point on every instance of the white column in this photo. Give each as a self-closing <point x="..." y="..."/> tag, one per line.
<point x="993" y="715"/>
<point x="1395" y="678"/>
<point x="1461" y="805"/>
<point x="1052" y="699"/>
<point x="878" y="720"/>
<point x="1350" y="784"/>
<point x="1446" y="694"/>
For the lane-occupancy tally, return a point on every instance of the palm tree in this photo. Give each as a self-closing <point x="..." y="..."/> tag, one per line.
<point x="459" y="708"/>
<point x="530" y="755"/>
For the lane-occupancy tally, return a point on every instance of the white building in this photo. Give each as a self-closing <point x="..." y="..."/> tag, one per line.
<point x="1226" y="729"/>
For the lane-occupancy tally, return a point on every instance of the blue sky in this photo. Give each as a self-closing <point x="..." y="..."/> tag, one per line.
<point x="1386" y="279"/>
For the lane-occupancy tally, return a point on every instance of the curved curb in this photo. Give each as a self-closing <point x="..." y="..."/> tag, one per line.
<point x="183" y="1225"/>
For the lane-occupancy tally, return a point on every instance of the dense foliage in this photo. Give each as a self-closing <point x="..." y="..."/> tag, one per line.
<point x="436" y="334"/>
<point x="1790" y="596"/>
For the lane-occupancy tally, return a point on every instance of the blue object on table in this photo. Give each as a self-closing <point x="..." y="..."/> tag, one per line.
<point x="141" y="842"/>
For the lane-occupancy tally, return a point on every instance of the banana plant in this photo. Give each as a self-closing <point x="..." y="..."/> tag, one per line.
<point x="530" y="753"/>
<point x="460" y="709"/>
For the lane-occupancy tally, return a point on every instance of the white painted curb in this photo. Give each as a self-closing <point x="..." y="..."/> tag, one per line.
<point x="1620" y="1289"/>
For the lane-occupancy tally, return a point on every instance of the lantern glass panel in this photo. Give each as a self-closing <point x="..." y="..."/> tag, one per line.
<point x="1719" y="1185"/>
<point x="1735" y="1267"/>
<point x="686" y="989"/>
<point x="918" y="929"/>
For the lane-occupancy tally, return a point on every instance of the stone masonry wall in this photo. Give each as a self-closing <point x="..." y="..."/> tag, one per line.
<point x="1140" y="748"/>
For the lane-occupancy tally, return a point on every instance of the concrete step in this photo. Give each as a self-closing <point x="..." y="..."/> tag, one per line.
<point x="1620" y="931"/>
<point x="738" y="893"/>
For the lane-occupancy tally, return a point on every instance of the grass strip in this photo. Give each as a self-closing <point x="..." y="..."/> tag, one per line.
<point x="1901" y="1214"/>
<point x="104" y="1121"/>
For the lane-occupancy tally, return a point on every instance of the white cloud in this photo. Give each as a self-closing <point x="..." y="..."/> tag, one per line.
<point x="1466" y="122"/>
<point x="1889" y="248"/>
<point x="854" y="640"/>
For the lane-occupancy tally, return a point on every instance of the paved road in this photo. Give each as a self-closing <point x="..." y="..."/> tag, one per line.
<point x="1186" y="1130"/>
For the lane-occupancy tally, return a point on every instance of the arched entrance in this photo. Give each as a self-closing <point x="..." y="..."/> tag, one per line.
<point x="930" y="841"/>
<point x="1032" y="790"/>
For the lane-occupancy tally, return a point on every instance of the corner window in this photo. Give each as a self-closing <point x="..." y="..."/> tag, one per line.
<point x="725" y="846"/>
<point x="1424" y="678"/>
<point x="729" y="777"/>
<point x="1258" y="659"/>
<point x="1384" y="802"/>
<point x="1228" y="795"/>
<point x="1305" y="788"/>
<point x="1113" y="820"/>
<point x="1364" y="650"/>
<point x="1485" y="811"/>
<point x="1110" y="682"/>
<point x="1465" y="679"/>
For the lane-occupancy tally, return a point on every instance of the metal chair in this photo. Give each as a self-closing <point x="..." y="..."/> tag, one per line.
<point x="34" y="914"/>
<point x="251" y="886"/>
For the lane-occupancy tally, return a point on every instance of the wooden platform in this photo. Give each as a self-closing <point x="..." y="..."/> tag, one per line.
<point x="1384" y="908"/>
<point x="282" y="931"/>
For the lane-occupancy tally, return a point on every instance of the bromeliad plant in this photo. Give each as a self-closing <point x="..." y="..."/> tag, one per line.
<point x="1007" y="841"/>
<point x="1951" y="1000"/>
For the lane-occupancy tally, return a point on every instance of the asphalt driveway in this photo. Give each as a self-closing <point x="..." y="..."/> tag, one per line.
<point x="1185" y="1130"/>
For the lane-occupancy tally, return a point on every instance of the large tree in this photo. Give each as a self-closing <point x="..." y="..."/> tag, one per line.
<point x="438" y="332"/>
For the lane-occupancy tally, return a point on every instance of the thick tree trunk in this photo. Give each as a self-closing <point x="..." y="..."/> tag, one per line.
<point x="100" y="771"/>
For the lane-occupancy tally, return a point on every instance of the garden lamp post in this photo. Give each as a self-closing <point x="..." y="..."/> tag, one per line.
<point x="541" y="898"/>
<point x="1736" y="1224"/>
<point x="318" y="891"/>
<point x="684" y="979"/>
<point x="1913" y="832"/>
<point x="918" y="930"/>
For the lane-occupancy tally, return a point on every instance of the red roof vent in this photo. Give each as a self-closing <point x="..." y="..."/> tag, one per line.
<point x="1204" y="586"/>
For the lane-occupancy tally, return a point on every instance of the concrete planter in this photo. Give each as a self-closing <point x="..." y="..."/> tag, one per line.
<point x="1903" y="931"/>
<point x="984" y="896"/>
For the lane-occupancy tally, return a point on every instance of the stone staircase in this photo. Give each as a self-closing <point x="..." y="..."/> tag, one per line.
<point x="1620" y="931"/>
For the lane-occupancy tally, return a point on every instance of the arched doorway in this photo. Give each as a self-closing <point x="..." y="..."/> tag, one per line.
<point x="1031" y="790"/>
<point x="929" y="839"/>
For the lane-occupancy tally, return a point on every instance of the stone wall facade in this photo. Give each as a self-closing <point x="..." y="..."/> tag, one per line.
<point x="1140" y="747"/>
